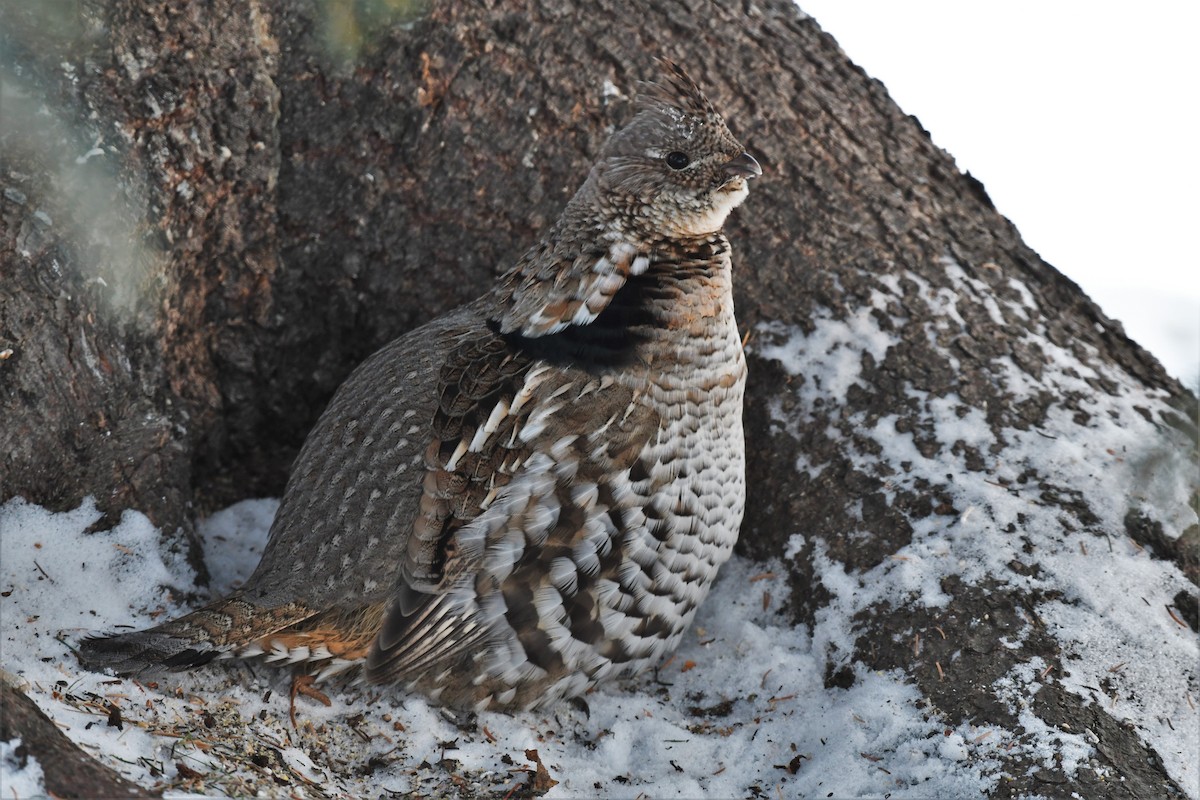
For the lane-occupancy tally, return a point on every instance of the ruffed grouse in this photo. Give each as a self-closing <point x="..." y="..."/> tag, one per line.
<point x="531" y="494"/>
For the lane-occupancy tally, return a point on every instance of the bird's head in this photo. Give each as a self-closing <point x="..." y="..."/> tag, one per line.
<point x="673" y="173"/>
<point x="675" y="169"/>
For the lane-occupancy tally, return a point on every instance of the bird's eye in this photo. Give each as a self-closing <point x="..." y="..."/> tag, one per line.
<point x="678" y="160"/>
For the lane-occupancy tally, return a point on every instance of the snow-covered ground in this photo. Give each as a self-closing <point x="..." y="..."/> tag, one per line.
<point x="741" y="710"/>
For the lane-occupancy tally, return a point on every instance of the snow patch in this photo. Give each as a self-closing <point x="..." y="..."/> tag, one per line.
<point x="1053" y="498"/>
<point x="233" y="540"/>
<point x="830" y="358"/>
<point x="17" y="780"/>
<point x="741" y="709"/>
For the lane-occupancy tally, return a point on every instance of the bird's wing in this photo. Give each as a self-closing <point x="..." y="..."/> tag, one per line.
<point x="517" y="442"/>
<point x="547" y="291"/>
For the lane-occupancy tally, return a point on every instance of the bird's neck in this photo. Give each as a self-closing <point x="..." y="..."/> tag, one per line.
<point x="687" y="286"/>
<point x="590" y="255"/>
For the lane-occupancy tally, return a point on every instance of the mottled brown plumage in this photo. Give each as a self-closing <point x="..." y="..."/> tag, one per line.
<point x="533" y="493"/>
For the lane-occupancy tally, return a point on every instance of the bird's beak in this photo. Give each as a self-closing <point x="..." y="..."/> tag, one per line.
<point x="743" y="166"/>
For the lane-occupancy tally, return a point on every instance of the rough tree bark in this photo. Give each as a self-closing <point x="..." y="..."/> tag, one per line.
<point x="212" y="210"/>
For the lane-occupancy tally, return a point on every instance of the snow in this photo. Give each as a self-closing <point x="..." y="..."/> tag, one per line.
<point x="739" y="709"/>
<point x="831" y="356"/>
<point x="17" y="780"/>
<point x="232" y="540"/>
<point x="89" y="576"/>
<point x="742" y="704"/>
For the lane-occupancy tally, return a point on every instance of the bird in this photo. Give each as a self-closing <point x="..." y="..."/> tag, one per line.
<point x="532" y="494"/>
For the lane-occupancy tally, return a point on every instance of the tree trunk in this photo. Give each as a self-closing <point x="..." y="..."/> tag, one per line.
<point x="213" y="210"/>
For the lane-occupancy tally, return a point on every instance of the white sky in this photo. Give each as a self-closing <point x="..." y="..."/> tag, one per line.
<point x="1080" y="119"/>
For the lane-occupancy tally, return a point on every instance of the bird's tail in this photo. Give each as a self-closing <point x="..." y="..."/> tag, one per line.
<point x="226" y="627"/>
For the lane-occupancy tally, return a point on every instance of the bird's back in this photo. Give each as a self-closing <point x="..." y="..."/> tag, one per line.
<point x="355" y="486"/>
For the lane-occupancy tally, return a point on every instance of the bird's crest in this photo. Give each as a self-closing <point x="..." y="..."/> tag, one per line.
<point x="675" y="92"/>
